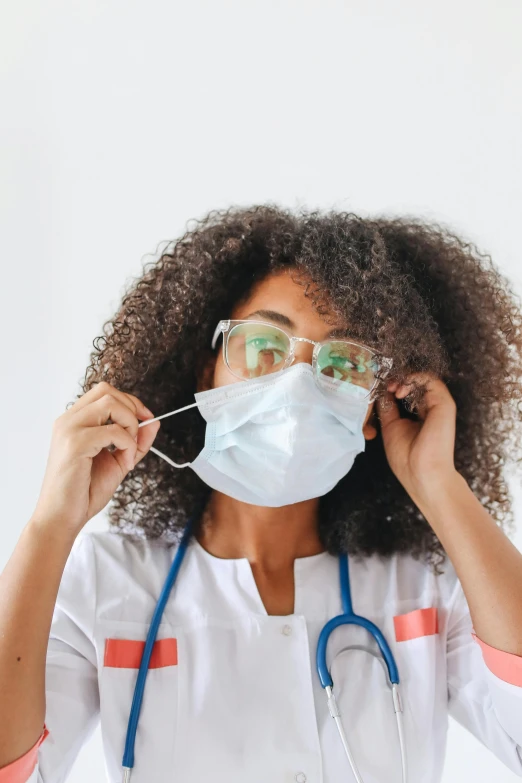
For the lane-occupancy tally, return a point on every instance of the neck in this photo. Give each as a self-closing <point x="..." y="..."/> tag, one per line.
<point x="270" y="538"/>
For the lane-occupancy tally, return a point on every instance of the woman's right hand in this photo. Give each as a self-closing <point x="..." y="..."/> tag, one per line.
<point x="81" y="476"/>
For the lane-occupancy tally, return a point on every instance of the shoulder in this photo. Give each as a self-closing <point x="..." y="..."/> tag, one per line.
<point x="113" y="545"/>
<point x="404" y="580"/>
<point x="123" y="560"/>
<point x="108" y="573"/>
<point x="99" y="549"/>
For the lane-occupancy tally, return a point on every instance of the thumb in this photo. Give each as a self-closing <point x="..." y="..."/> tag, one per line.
<point x="146" y="437"/>
<point x="387" y="409"/>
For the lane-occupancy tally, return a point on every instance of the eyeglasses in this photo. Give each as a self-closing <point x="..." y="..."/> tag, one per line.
<point x="255" y="348"/>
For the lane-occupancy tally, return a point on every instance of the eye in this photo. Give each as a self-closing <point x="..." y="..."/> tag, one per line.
<point x="263" y="348"/>
<point x="338" y="360"/>
<point x="261" y="344"/>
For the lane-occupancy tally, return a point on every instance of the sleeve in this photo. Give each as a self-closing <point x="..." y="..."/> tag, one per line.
<point x="71" y="680"/>
<point x="484" y="686"/>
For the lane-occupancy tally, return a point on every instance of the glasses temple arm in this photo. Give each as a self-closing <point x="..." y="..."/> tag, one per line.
<point x="219" y="329"/>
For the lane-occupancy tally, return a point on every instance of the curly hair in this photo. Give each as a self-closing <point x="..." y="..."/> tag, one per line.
<point x="409" y="287"/>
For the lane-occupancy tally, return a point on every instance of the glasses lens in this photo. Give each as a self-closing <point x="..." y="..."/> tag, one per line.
<point x="256" y="349"/>
<point x="346" y="366"/>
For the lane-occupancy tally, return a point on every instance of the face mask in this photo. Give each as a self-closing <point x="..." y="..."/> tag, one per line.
<point x="278" y="439"/>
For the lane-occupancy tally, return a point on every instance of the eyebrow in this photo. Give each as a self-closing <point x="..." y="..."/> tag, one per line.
<point x="272" y="315"/>
<point x="283" y="320"/>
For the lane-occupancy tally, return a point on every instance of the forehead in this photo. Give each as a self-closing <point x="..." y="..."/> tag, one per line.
<point x="281" y="293"/>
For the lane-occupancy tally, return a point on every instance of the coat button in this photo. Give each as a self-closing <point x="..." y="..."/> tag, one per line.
<point x="287" y="630"/>
<point x="300" y="777"/>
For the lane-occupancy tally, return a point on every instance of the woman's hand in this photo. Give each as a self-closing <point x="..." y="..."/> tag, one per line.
<point x="420" y="453"/>
<point x="81" y="475"/>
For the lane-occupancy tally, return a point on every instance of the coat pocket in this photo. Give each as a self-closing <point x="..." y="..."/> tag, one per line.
<point x="120" y="645"/>
<point x="420" y="657"/>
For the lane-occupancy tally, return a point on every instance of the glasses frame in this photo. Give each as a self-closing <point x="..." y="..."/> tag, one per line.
<point x="225" y="326"/>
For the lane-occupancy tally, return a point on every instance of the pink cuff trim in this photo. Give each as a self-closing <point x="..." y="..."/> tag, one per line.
<point x="20" y="771"/>
<point x="419" y="622"/>
<point x="506" y="666"/>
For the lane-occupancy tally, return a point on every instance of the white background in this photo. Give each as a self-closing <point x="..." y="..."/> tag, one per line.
<point x="123" y="120"/>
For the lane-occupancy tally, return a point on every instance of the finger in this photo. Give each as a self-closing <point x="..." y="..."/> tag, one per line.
<point x="108" y="407"/>
<point x="436" y="390"/>
<point x="428" y="378"/>
<point x="91" y="440"/>
<point x="102" y="388"/>
<point x="436" y="402"/>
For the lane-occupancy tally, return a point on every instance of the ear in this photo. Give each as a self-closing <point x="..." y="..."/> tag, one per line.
<point x="205" y="376"/>
<point x="370" y="428"/>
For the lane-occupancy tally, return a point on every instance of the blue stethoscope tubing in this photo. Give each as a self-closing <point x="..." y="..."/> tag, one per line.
<point x="347" y="618"/>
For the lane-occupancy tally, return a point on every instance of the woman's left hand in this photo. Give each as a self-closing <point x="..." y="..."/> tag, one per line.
<point x="420" y="453"/>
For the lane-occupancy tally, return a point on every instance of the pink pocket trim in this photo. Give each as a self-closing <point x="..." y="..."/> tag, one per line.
<point x="506" y="666"/>
<point x="127" y="653"/>
<point x="20" y="770"/>
<point x="419" y="622"/>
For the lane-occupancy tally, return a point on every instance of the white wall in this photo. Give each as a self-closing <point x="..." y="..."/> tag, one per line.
<point x="122" y="120"/>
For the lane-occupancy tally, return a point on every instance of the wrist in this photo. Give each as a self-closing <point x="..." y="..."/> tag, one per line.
<point x="439" y="486"/>
<point x="50" y="529"/>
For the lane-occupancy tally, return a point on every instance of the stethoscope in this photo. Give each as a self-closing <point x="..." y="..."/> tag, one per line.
<point x="347" y="618"/>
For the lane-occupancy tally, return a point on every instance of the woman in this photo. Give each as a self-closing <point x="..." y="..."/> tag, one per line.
<point x="360" y="397"/>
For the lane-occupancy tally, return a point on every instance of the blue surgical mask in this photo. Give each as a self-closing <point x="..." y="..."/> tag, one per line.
<point x="278" y="439"/>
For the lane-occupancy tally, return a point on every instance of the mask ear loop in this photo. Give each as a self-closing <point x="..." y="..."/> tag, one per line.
<point x="160" y="453"/>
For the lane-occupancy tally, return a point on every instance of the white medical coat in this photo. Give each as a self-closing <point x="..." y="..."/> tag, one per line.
<point x="234" y="696"/>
